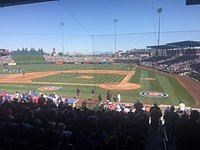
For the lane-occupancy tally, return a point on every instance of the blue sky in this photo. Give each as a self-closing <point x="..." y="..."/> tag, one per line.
<point x="38" y="25"/>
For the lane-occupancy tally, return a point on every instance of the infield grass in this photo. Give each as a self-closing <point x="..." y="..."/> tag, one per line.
<point x="72" y="78"/>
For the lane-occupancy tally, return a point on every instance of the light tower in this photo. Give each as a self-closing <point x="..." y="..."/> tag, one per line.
<point x="159" y="11"/>
<point x="62" y="24"/>
<point x="115" y="21"/>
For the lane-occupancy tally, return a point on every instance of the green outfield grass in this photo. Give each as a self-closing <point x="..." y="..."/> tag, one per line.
<point x="28" y="58"/>
<point x="55" y="67"/>
<point x="162" y="83"/>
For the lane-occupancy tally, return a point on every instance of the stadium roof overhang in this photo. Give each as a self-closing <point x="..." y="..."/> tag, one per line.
<point x="5" y="3"/>
<point x="162" y="47"/>
<point x="185" y="44"/>
<point x="192" y="2"/>
<point x="174" y="45"/>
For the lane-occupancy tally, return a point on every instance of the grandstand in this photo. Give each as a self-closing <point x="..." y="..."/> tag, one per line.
<point x="5" y="57"/>
<point x="39" y="119"/>
<point x="4" y="52"/>
<point x="178" y="57"/>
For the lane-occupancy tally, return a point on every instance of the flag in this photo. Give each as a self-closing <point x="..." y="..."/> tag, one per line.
<point x="159" y="10"/>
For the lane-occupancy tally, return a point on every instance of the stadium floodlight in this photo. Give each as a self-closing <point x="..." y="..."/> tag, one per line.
<point x="115" y="21"/>
<point x="159" y="11"/>
<point x="6" y="3"/>
<point x="62" y="24"/>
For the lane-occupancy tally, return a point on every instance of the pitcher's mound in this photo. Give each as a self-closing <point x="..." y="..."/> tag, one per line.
<point x="85" y="77"/>
<point x="122" y="86"/>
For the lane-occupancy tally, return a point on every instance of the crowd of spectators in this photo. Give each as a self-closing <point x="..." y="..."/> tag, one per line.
<point x="183" y="65"/>
<point x="6" y="59"/>
<point x="43" y="124"/>
<point x="182" y="128"/>
<point x="40" y="121"/>
<point x="77" y="59"/>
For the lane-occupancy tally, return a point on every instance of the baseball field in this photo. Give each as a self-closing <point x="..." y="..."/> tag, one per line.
<point x="132" y="82"/>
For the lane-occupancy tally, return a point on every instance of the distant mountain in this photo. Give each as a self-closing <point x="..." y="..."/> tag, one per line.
<point x="103" y="52"/>
<point x="107" y="53"/>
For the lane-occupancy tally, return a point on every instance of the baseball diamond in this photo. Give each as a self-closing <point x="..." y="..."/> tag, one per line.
<point x="31" y="77"/>
<point x="130" y="83"/>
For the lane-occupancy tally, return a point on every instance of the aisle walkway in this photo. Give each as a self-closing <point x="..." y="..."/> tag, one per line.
<point x="153" y="141"/>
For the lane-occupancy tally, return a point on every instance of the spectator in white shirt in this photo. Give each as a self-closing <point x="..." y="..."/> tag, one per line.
<point x="181" y="107"/>
<point x="118" y="97"/>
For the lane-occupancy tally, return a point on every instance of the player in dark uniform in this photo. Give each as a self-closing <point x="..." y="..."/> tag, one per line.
<point x="93" y="92"/>
<point x="62" y="73"/>
<point x="78" y="92"/>
<point x="100" y="98"/>
<point x="76" y="73"/>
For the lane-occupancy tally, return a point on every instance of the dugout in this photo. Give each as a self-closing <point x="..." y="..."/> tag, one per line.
<point x="71" y="101"/>
<point x="105" y="62"/>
